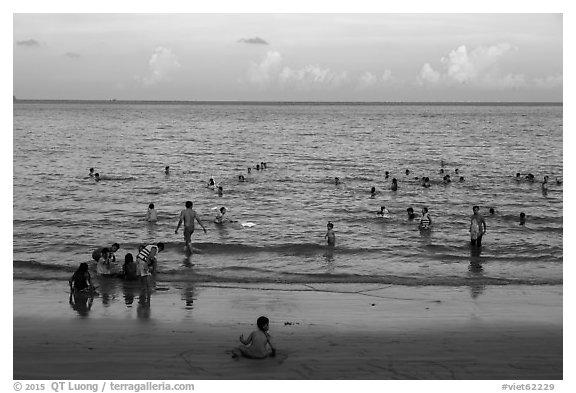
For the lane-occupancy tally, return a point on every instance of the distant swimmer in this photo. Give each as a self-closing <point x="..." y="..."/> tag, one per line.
<point x="386" y="174"/>
<point x="249" y="169"/>
<point x="337" y="180"/>
<point x="241" y="178"/>
<point x="446" y="179"/>
<point x="530" y="178"/>
<point x="477" y="227"/>
<point x="518" y="178"/>
<point x="441" y="171"/>
<point x="373" y="192"/>
<point x="522" y="219"/>
<point x="97" y="253"/>
<point x="461" y="180"/>
<point x="492" y="211"/>
<point x="411" y="214"/>
<point x="383" y="211"/>
<point x="97" y="177"/>
<point x="425" y="220"/>
<point x="558" y="181"/>
<point x="330" y="234"/>
<point x="211" y="183"/>
<point x="407" y="172"/>
<point x="91" y="173"/>
<point x="426" y="182"/>
<point x="257" y="167"/>
<point x="129" y="269"/>
<point x="456" y="171"/>
<point x="394" y="186"/>
<point x="544" y="185"/>
<point x="188" y="216"/>
<point x="220" y="190"/>
<point x="80" y="280"/>
<point x="151" y="215"/>
<point x="167" y="170"/>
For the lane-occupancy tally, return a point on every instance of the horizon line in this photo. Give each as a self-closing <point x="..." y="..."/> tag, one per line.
<point x="262" y="102"/>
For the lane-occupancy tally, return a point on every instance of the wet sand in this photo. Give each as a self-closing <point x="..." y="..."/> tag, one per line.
<point x="321" y="332"/>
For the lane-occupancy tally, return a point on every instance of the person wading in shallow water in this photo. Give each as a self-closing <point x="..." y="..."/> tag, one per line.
<point x="188" y="216"/>
<point x="477" y="228"/>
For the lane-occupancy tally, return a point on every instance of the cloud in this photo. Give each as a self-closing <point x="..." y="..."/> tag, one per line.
<point x="370" y="81"/>
<point x="311" y="77"/>
<point x="72" y="55"/>
<point x="549" y="82"/>
<point x="267" y="70"/>
<point x="162" y="63"/>
<point x="30" y="43"/>
<point x="479" y="67"/>
<point x="428" y="75"/>
<point x="255" y="40"/>
<point x="271" y="72"/>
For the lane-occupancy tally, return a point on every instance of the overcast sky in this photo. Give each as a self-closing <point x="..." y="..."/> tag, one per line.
<point x="295" y="57"/>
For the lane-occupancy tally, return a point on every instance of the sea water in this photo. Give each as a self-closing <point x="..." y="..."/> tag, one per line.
<point x="61" y="214"/>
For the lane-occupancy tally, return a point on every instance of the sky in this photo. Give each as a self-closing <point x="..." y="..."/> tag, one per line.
<point x="289" y="57"/>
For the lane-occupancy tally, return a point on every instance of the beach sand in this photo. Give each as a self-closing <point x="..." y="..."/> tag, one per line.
<point x="341" y="331"/>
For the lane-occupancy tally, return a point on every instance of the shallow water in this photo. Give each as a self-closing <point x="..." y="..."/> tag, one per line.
<point x="60" y="215"/>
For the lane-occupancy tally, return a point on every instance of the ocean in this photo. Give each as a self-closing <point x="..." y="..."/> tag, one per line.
<point x="60" y="215"/>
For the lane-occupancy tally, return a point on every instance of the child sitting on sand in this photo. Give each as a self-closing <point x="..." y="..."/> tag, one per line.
<point x="258" y="345"/>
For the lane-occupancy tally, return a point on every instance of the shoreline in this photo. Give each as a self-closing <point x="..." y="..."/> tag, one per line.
<point x="323" y="331"/>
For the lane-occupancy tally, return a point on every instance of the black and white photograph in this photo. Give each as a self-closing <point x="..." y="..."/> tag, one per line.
<point x="288" y="196"/>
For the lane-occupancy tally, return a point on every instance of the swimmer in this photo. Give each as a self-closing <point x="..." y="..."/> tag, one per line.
<point x="386" y="174"/>
<point x="167" y="170"/>
<point x="522" y="219"/>
<point x="518" y="178"/>
<point x="492" y="211"/>
<point x="441" y="171"/>
<point x="558" y="181"/>
<point x="249" y="169"/>
<point x="330" y="235"/>
<point x="336" y="180"/>
<point x="383" y="211"/>
<point x="446" y="179"/>
<point x="211" y="183"/>
<point x="426" y="182"/>
<point x="91" y="173"/>
<point x="220" y="190"/>
<point x="220" y="216"/>
<point x="96" y="177"/>
<point x="151" y="215"/>
<point x="545" y="185"/>
<point x="407" y="172"/>
<point x="373" y="191"/>
<point x="394" y="185"/>
<point x="456" y="171"/>
<point x="461" y="179"/>
<point x="257" y="167"/>
<point x="411" y="214"/>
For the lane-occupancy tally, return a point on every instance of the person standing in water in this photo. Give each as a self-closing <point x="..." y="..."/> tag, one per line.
<point x="330" y="235"/>
<point x="477" y="227"/>
<point x="188" y="216"/>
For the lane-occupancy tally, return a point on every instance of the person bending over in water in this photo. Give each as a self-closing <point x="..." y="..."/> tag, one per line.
<point x="80" y="280"/>
<point x="258" y="345"/>
<point x="188" y="216"/>
<point x="330" y="235"/>
<point x="477" y="227"/>
<point x="98" y="252"/>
